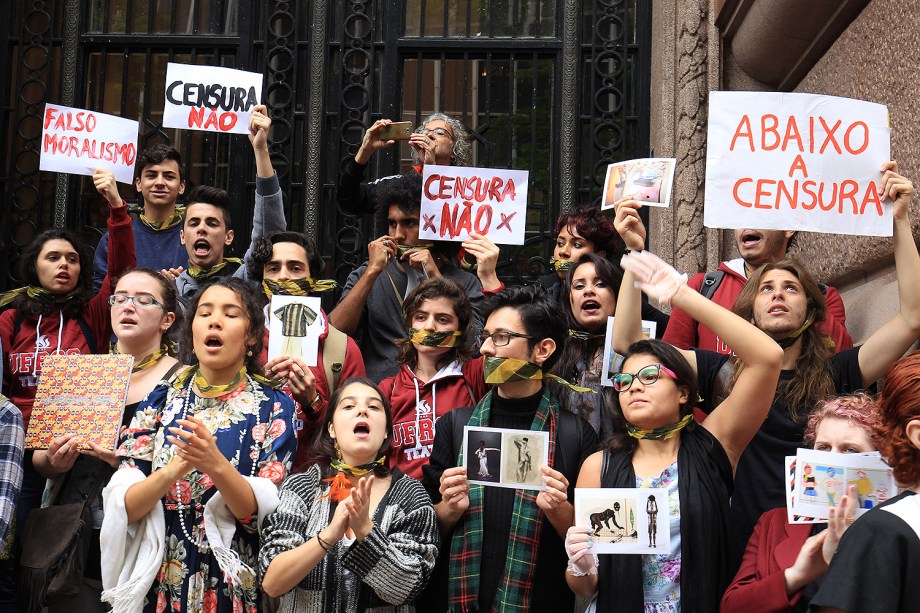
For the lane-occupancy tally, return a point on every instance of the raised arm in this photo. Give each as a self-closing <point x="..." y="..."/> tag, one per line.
<point x="627" y="327"/>
<point x="351" y="194"/>
<point x="896" y="336"/>
<point x="268" y="212"/>
<point x="738" y="418"/>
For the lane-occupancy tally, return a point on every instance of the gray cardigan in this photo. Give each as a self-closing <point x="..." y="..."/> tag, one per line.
<point x="391" y="566"/>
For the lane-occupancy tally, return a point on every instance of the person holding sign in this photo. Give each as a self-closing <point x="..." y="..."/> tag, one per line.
<point x="436" y="372"/>
<point x="283" y="264"/>
<point x="784" y="300"/>
<point x="156" y="230"/>
<point x="350" y="534"/>
<point x="439" y="139"/>
<point x="207" y="231"/>
<point x="488" y="531"/>
<point x="201" y="464"/>
<point x="370" y="308"/>
<point x="784" y="563"/>
<point x="757" y="247"/>
<point x="657" y="444"/>
<point x="57" y="313"/>
<point x="878" y="560"/>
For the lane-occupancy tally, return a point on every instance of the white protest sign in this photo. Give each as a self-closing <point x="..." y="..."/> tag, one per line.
<point x="78" y="142"/>
<point x="779" y="161"/>
<point x="458" y="200"/>
<point x="210" y="99"/>
<point x="294" y="326"/>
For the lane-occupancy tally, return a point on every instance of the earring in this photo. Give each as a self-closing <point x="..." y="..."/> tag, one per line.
<point x="338" y="452"/>
<point x="249" y="353"/>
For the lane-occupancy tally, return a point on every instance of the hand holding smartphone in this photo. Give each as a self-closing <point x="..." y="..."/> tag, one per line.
<point x="400" y="130"/>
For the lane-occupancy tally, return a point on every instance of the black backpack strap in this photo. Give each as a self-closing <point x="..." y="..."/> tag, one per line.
<point x="711" y="283"/>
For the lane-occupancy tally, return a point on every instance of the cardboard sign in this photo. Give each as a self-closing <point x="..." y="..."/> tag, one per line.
<point x="624" y="519"/>
<point x="210" y="99"/>
<point x="505" y="458"/>
<point x="458" y="200"/>
<point x="648" y="180"/>
<point x="796" y="162"/>
<point x="294" y="327"/>
<point x="80" y="394"/>
<point x="77" y="141"/>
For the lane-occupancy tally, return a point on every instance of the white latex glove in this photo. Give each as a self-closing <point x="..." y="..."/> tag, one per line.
<point x="578" y="543"/>
<point x="654" y="276"/>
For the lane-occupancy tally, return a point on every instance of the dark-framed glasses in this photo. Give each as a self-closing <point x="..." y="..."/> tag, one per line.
<point x="500" y="339"/>
<point x="647" y="375"/>
<point x="141" y="300"/>
<point x="437" y="132"/>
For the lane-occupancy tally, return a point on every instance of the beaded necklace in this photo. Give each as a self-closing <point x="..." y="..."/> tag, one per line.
<point x="193" y="506"/>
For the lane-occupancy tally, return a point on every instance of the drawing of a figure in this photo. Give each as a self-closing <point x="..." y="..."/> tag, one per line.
<point x="651" y="507"/>
<point x="483" y="454"/>
<point x="832" y="486"/>
<point x="810" y="483"/>
<point x="864" y="489"/>
<point x="524" y="459"/>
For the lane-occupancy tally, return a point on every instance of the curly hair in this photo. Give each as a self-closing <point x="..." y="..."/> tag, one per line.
<point x="255" y="319"/>
<point x="28" y="272"/>
<point x="263" y="249"/>
<point x="438" y="287"/>
<point x="899" y="404"/>
<point x="671" y="357"/>
<point x="323" y="443"/>
<point x="403" y="191"/>
<point x="859" y="409"/>
<point x="590" y="223"/>
<point x="811" y="380"/>
<point x="462" y="151"/>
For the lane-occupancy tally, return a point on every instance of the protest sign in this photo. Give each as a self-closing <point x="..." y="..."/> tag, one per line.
<point x="625" y="520"/>
<point x="505" y="458"/>
<point x="458" y="200"/>
<point x="779" y="161"/>
<point x="210" y="99"/>
<point x="77" y="141"/>
<point x="648" y="180"/>
<point x="294" y="327"/>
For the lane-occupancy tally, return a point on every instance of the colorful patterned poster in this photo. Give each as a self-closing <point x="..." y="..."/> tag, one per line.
<point x="80" y="394"/>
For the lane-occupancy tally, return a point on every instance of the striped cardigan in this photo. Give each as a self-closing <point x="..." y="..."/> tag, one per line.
<point x="383" y="573"/>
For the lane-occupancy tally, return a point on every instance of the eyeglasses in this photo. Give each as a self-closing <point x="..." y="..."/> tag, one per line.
<point x="141" y="300"/>
<point x="646" y="376"/>
<point x="437" y="132"/>
<point x="500" y="339"/>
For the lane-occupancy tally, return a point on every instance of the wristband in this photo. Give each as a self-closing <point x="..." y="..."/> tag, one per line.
<point x="325" y="546"/>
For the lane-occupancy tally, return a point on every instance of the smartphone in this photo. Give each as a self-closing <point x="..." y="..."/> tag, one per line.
<point x="400" y="130"/>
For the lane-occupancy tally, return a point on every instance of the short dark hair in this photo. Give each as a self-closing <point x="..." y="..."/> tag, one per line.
<point x="252" y="308"/>
<point x="539" y="313"/>
<point x="404" y="191"/>
<point x="156" y="154"/>
<point x="215" y="196"/>
<point x="438" y="287"/>
<point x="263" y="248"/>
<point x="592" y="224"/>
<point x="29" y="274"/>
<point x="324" y="445"/>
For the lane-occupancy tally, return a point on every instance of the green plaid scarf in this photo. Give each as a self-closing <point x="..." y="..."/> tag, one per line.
<point x="466" y="547"/>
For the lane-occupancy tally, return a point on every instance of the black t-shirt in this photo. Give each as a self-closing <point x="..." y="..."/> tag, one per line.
<point x="550" y="592"/>
<point x="759" y="479"/>
<point x="877" y="565"/>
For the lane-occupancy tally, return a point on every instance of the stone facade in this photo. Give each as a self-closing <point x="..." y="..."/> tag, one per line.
<point x="875" y="57"/>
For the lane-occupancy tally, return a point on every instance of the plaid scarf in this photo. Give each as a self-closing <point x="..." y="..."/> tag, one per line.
<point x="162" y="226"/>
<point x="297" y="287"/>
<point x="198" y="273"/>
<point x="501" y="370"/>
<point x="520" y="561"/>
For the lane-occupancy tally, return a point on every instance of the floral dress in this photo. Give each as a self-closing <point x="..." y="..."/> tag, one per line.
<point x="661" y="572"/>
<point x="254" y="430"/>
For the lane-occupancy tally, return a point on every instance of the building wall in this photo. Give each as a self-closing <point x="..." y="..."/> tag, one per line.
<point x="875" y="58"/>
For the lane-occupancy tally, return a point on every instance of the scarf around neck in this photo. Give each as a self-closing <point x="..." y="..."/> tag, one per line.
<point x="302" y="286"/>
<point x="38" y="293"/>
<point x="162" y="226"/>
<point x="199" y="274"/>
<point x="516" y="583"/>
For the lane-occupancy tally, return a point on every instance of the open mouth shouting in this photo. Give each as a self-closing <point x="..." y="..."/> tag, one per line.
<point x="590" y="306"/>
<point x="213" y="342"/>
<point x="362" y="430"/>
<point x="750" y="239"/>
<point x="201" y="248"/>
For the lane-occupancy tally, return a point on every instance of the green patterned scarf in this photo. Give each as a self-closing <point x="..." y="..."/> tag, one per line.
<point x="40" y="293"/>
<point x="432" y="338"/>
<point x="199" y="274"/>
<point x="302" y="286"/>
<point x="515" y="587"/>
<point x="162" y="226"/>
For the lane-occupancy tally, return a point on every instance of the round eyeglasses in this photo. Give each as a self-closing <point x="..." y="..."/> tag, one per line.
<point x="648" y="375"/>
<point x="141" y="300"/>
<point x="437" y="132"/>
